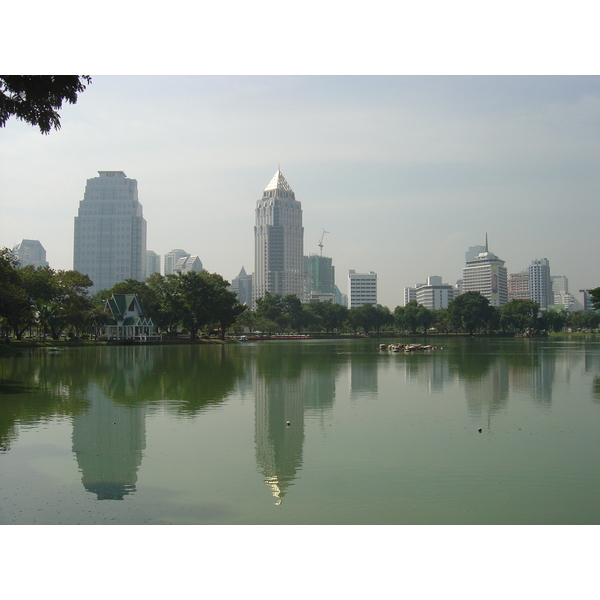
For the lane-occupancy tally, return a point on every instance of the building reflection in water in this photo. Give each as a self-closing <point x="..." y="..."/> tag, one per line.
<point x="284" y="394"/>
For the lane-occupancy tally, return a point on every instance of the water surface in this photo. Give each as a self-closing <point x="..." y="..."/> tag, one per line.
<point x="200" y="434"/>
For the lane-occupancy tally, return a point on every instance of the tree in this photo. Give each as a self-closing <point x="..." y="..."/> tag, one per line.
<point x="269" y="311"/>
<point x="470" y="310"/>
<point x="595" y="294"/>
<point x="519" y="315"/>
<point x="36" y="99"/>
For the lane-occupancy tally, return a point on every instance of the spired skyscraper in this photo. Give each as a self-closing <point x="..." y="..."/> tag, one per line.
<point x="110" y="231"/>
<point x="278" y="241"/>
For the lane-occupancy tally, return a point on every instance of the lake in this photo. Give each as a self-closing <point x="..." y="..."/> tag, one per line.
<point x="479" y="431"/>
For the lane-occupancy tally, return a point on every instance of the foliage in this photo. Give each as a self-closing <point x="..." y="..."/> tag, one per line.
<point x="518" y="316"/>
<point x="36" y="99"/>
<point x="470" y="311"/>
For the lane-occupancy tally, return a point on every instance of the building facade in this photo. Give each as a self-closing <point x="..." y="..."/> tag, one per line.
<point x="278" y="242"/>
<point x="362" y="288"/>
<point x="540" y="284"/>
<point x="152" y="263"/>
<point x="110" y="231"/>
<point x="172" y="258"/>
<point x="242" y="286"/>
<point x="518" y="286"/>
<point x="486" y="274"/>
<point x="30" y="252"/>
<point x="188" y="263"/>
<point x="320" y="274"/>
<point x="434" y="294"/>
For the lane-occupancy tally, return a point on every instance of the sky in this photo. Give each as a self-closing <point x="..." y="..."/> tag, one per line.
<point x="403" y="172"/>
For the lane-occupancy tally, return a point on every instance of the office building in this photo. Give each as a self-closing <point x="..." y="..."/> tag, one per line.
<point x="518" y="286"/>
<point x="362" y="288"/>
<point x="486" y="274"/>
<point x="110" y="231"/>
<point x="540" y="285"/>
<point x="242" y="286"/>
<point x="152" y="263"/>
<point x="278" y="242"/>
<point x="320" y="274"/>
<point x="434" y="294"/>
<point x="172" y="258"/>
<point x="410" y="293"/>
<point x="186" y="264"/>
<point x="30" y="252"/>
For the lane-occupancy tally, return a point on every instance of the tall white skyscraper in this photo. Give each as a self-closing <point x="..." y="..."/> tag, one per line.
<point x="540" y="284"/>
<point x="362" y="288"/>
<point x="486" y="274"/>
<point x="30" y="252"/>
<point x="278" y="241"/>
<point x="110" y="231"/>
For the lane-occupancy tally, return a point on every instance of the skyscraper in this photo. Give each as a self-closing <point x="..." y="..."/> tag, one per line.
<point x="278" y="241"/>
<point x="540" y="284"/>
<point x="30" y="252"/>
<point x="486" y="274"/>
<point x="242" y="286"/>
<point x="110" y="231"/>
<point x="172" y="258"/>
<point x="152" y="263"/>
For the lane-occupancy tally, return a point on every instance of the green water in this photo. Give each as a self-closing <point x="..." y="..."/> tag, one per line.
<point x="200" y="434"/>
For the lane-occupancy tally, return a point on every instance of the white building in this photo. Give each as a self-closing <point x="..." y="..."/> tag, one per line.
<point x="152" y="263"/>
<point x="540" y="284"/>
<point x="434" y="294"/>
<point x="486" y="274"/>
<point x="242" y="286"/>
<point x="172" y="258"/>
<point x="110" y="231"/>
<point x="362" y="288"/>
<point x="278" y="242"/>
<point x="410" y="293"/>
<point x="30" y="252"/>
<point x="187" y="264"/>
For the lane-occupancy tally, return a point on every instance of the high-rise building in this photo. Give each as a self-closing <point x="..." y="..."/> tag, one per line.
<point x="474" y="251"/>
<point x="110" y="231"/>
<point x="188" y="263"/>
<point x="172" y="258"/>
<point x="320" y="277"/>
<point x="362" y="288"/>
<point x="518" y="286"/>
<point x="540" y="285"/>
<point x="152" y="263"/>
<point x="30" y="252"/>
<point x="278" y="241"/>
<point x="486" y="274"/>
<point x="242" y="286"/>
<point x="434" y="294"/>
<point x="410" y="294"/>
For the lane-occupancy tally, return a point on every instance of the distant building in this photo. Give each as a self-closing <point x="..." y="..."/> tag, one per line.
<point x="30" y="252"/>
<point x="152" y="263"/>
<point x="434" y="294"/>
<point x="486" y="274"/>
<point x="320" y="278"/>
<point x="362" y="288"/>
<point x="186" y="264"/>
<point x="110" y="231"/>
<point x="278" y="242"/>
<point x="172" y="258"/>
<point x="587" y="300"/>
<point x="518" y="286"/>
<point x="540" y="286"/>
<point x="410" y="293"/>
<point x="242" y="286"/>
<point x="474" y="251"/>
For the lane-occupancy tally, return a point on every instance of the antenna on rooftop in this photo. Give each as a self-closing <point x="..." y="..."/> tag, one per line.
<point x="321" y="241"/>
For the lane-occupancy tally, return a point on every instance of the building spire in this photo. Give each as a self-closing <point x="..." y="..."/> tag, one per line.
<point x="486" y="243"/>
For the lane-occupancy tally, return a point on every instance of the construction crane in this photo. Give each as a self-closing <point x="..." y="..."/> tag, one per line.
<point x="321" y="242"/>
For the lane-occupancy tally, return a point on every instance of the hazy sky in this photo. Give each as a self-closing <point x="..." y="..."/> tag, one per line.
<point x="404" y="172"/>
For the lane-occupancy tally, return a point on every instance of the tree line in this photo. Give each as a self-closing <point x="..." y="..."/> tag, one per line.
<point x="53" y="303"/>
